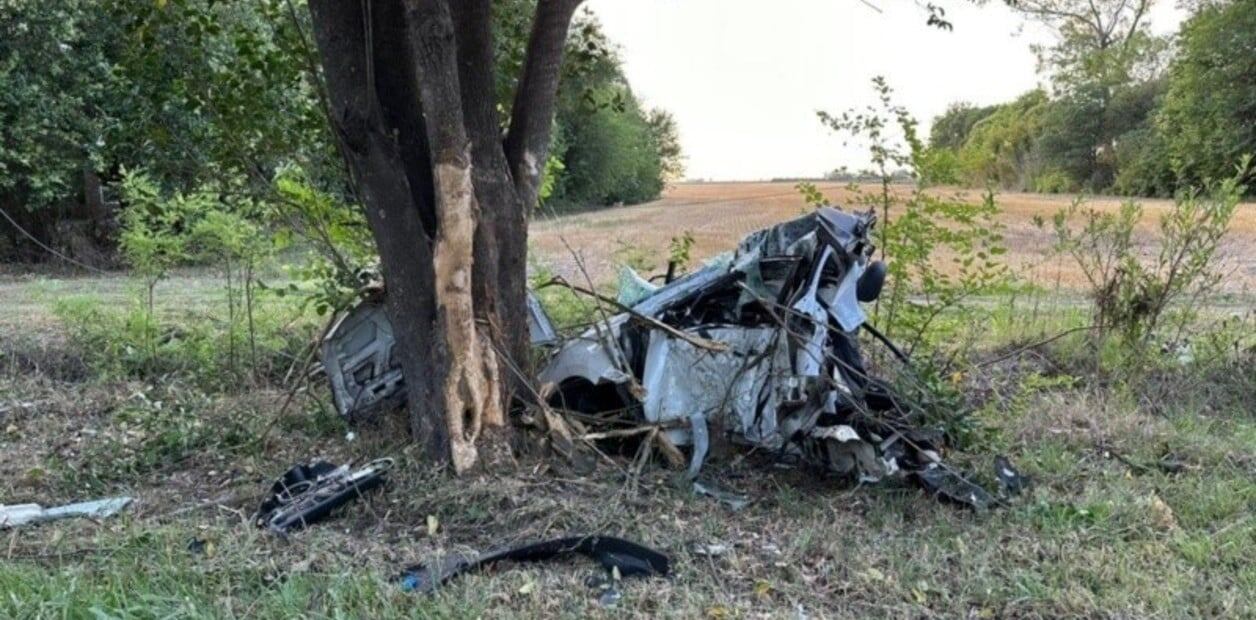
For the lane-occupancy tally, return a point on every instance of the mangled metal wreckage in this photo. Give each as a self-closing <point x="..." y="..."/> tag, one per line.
<point x="760" y="344"/>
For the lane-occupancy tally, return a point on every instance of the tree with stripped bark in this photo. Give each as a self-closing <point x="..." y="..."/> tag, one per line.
<point x="411" y="91"/>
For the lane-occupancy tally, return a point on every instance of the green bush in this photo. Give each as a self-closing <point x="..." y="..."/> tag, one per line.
<point x="611" y="155"/>
<point x="1143" y="165"/>
<point x="126" y="341"/>
<point x="940" y="166"/>
<point x="1054" y="182"/>
<point x="950" y="130"/>
<point x="1132" y="295"/>
<point x="913" y="230"/>
<point x="999" y="149"/>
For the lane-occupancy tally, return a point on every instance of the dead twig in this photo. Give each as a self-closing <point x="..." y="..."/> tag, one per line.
<point x="701" y="343"/>
<point x="1028" y="347"/>
<point x="302" y="378"/>
<point x="624" y="432"/>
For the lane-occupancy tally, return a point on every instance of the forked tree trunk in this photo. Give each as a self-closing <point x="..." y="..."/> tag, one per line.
<point x="411" y="94"/>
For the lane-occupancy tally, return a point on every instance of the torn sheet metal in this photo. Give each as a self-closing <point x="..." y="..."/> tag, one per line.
<point x="357" y="355"/>
<point x="681" y="380"/>
<point x="790" y="377"/>
<point x="28" y="514"/>
<point x="784" y="308"/>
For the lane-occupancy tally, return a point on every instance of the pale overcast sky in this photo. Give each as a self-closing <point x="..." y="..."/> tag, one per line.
<point x="745" y="77"/>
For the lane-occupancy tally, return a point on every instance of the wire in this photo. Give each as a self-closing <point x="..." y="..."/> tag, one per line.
<point x="48" y="249"/>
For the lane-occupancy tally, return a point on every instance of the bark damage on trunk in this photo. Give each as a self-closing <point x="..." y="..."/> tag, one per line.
<point x="411" y="92"/>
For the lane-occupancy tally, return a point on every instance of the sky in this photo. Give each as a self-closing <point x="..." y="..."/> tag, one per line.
<point x="744" y="78"/>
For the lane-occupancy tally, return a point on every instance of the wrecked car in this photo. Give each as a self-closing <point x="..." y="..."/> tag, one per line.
<point x="762" y="346"/>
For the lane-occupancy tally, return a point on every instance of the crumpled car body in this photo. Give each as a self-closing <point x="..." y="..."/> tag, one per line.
<point x="760" y="345"/>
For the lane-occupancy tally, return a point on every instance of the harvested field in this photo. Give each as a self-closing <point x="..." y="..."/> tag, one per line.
<point x="719" y="214"/>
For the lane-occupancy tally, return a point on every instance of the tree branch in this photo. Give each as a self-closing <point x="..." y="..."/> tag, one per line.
<point x="532" y="115"/>
<point x="1143" y="5"/>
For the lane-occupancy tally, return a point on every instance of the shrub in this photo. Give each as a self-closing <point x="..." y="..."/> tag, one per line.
<point x="1132" y="295"/>
<point x="913" y="232"/>
<point x="1054" y="182"/>
<point x="129" y="342"/>
<point x="1207" y="113"/>
<point x="1000" y="146"/>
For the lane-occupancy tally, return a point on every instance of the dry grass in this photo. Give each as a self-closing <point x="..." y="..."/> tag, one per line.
<point x="719" y="214"/>
<point x="1097" y="537"/>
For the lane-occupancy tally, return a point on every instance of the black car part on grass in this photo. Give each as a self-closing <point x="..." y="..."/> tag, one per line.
<point x="1011" y="481"/>
<point x="308" y="493"/>
<point x="614" y="554"/>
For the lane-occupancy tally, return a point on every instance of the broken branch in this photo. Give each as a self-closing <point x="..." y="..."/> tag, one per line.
<point x="701" y="343"/>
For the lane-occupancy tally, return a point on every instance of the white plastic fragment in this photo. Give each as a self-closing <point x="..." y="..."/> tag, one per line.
<point x="24" y="514"/>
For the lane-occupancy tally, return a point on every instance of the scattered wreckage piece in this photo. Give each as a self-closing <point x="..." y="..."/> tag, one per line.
<point x="16" y="515"/>
<point x="616" y="555"/>
<point x="735" y="501"/>
<point x="1011" y="481"/>
<point x="949" y="485"/>
<point x="357" y="355"/>
<point x="309" y="493"/>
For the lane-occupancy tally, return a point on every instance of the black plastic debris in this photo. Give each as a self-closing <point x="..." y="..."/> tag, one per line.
<point x="198" y="546"/>
<point x="309" y="493"/>
<point x="627" y="558"/>
<point x="1011" y="481"/>
<point x="948" y="485"/>
<point x="1171" y="463"/>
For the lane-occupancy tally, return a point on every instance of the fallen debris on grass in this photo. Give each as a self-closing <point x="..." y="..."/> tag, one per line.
<point x="1011" y="481"/>
<point x="309" y="493"/>
<point x="616" y="555"/>
<point x="27" y="514"/>
<point x="734" y="501"/>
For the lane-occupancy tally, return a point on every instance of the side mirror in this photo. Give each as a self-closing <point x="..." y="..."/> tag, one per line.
<point x="869" y="286"/>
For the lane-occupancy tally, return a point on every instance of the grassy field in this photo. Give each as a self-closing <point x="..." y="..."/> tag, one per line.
<point x="1143" y="502"/>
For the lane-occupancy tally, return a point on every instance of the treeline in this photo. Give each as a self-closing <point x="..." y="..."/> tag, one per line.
<point x="1128" y="113"/>
<point x="222" y="97"/>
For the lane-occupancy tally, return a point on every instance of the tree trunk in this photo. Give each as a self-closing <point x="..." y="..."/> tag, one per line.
<point x="411" y="96"/>
<point x="376" y="117"/>
<point x="473" y="388"/>
<point x="500" y="271"/>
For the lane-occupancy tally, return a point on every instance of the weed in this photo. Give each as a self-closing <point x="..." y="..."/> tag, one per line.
<point x="914" y="232"/>
<point x="157" y="429"/>
<point x="131" y="342"/>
